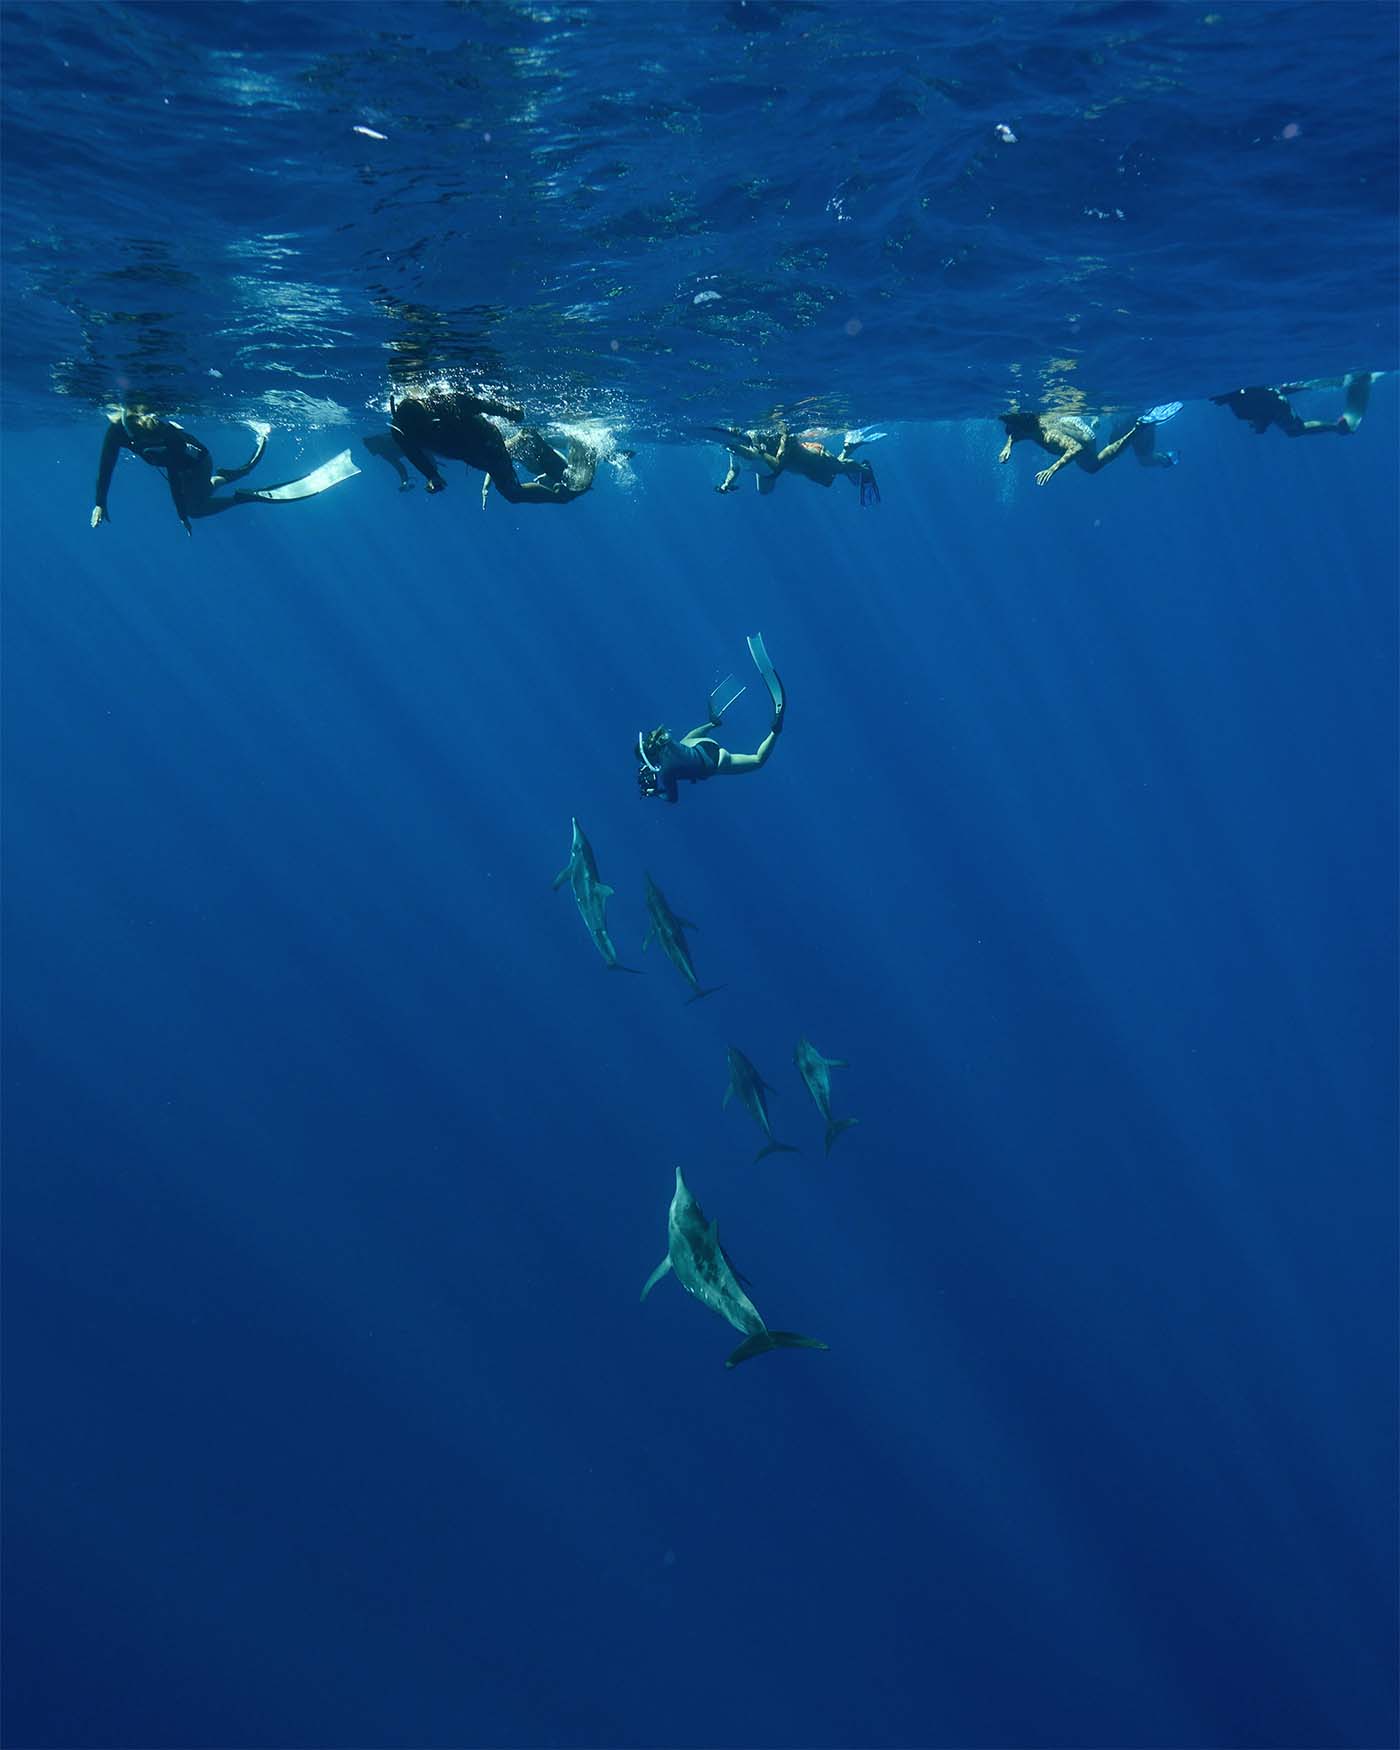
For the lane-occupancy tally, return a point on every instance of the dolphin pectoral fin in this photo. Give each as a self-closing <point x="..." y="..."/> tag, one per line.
<point x="686" y="924"/>
<point x="762" y="1341"/>
<point x="646" y="943"/>
<point x="562" y="876"/>
<point x="834" y="1128"/>
<point x="709" y="991"/>
<point x="777" y="1148"/>
<point x="656" y="1275"/>
<point x="617" y="966"/>
<point x="727" y="1094"/>
<point x="603" y="890"/>
<point x="836" y="1063"/>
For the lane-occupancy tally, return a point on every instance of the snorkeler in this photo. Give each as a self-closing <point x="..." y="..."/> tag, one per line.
<point x="457" y="426"/>
<point x="697" y="755"/>
<point x="1074" y="438"/>
<point x="774" y="452"/>
<point x="1263" y="407"/>
<point x="189" y="470"/>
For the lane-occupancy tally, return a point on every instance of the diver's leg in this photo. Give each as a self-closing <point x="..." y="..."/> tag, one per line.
<point x="224" y="476"/>
<point x="737" y="763"/>
<point x="1109" y="451"/>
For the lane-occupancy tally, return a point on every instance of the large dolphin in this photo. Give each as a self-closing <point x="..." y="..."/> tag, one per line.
<point x="813" y="1068"/>
<point x="693" y="1251"/>
<point x="592" y="896"/>
<point x="670" y="930"/>
<point x="749" y="1085"/>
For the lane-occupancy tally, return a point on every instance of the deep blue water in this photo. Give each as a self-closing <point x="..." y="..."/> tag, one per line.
<point x="335" y="1160"/>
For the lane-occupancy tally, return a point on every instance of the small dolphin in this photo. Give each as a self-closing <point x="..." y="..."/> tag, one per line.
<point x="693" y="1251"/>
<point x="749" y="1085"/>
<point x="592" y="896"/>
<point x="670" y="930"/>
<point x="813" y="1067"/>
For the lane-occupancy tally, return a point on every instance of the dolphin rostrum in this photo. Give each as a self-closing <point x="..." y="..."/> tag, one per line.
<point x="749" y="1085"/>
<point x="670" y="930"/>
<point x="592" y="896"/>
<point x="813" y="1067"/>
<point x="693" y="1251"/>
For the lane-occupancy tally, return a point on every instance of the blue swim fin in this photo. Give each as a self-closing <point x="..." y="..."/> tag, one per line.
<point x="1160" y="415"/>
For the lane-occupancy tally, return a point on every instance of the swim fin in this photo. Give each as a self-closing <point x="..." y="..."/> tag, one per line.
<point x="766" y="669"/>
<point x="727" y="694"/>
<point x="865" y="435"/>
<point x="1160" y="415"/>
<point x="320" y="479"/>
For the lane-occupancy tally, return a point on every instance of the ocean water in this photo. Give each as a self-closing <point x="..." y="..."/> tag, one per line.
<point x="336" y="1161"/>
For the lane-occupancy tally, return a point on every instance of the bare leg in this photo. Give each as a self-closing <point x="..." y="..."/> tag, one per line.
<point x="1109" y="451"/>
<point x="1358" y="398"/>
<point x="747" y="762"/>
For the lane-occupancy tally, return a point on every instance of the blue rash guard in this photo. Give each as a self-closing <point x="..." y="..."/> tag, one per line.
<point x="694" y="763"/>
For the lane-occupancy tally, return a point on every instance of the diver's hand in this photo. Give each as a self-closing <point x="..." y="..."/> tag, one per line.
<point x="1043" y="476"/>
<point x="99" y="515"/>
<point x="1005" y="455"/>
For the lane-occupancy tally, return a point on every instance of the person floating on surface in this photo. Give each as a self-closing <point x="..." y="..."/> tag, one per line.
<point x="1073" y="439"/>
<point x="457" y="426"/>
<point x="666" y="761"/>
<point x="1262" y="407"/>
<point x="190" y="472"/>
<point x="772" y="453"/>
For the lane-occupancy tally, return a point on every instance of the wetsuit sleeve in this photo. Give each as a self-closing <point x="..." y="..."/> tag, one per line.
<point x="668" y="785"/>
<point x="420" y="458"/>
<point x="498" y="410"/>
<point x="115" y="440"/>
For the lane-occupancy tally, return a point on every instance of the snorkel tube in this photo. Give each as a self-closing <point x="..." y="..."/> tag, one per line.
<point x="648" y="775"/>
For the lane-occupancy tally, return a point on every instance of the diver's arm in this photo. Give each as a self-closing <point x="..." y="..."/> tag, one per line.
<point x="1006" y="448"/>
<point x="498" y="410"/>
<point x="730" y="483"/>
<point x="115" y="440"/>
<point x="421" y="460"/>
<point x="1047" y="474"/>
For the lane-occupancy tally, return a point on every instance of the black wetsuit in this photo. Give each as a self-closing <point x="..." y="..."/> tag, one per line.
<point x="186" y="463"/>
<point x="691" y="761"/>
<point x="456" y="427"/>
<point x="1264" y="407"/>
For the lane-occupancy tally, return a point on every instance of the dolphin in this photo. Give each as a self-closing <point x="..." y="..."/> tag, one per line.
<point x="592" y="896"/>
<point x="749" y="1085"/>
<point x="813" y="1067"/>
<point x="693" y="1251"/>
<point x="670" y="930"/>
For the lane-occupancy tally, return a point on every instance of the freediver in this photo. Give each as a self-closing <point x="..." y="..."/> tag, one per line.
<point x="1073" y="439"/>
<point x="457" y="426"/>
<point x="190" y="472"/>
<point x="1262" y="407"/>
<point x="776" y="452"/>
<point x="666" y="761"/>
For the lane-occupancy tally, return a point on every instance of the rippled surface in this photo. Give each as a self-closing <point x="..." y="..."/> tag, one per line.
<point x="666" y="215"/>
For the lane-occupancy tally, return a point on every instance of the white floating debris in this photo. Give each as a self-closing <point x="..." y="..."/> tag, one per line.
<point x="369" y="133"/>
<point x="705" y="298"/>
<point x="1004" y="134"/>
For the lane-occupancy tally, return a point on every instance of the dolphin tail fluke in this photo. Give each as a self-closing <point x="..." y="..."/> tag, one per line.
<point x="777" y="1148"/>
<point x="709" y="991"/>
<point x="656" y="1275"/>
<point x="763" y="1341"/>
<point x="835" y="1127"/>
